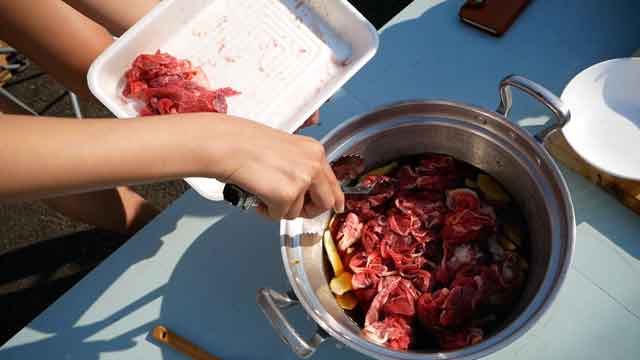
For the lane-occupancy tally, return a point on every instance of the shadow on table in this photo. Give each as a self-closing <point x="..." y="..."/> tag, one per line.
<point x="210" y="298"/>
<point x="61" y="336"/>
<point x="34" y="276"/>
<point x="619" y="224"/>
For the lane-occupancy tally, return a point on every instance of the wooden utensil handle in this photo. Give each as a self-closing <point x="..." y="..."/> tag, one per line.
<point x="181" y="344"/>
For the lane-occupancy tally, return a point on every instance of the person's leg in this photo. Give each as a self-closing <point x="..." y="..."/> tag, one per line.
<point x="64" y="43"/>
<point x="121" y="210"/>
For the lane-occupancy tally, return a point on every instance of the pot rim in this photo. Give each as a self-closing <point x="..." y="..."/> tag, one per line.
<point x="513" y="330"/>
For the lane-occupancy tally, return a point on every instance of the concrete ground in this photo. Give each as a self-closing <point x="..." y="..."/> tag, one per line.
<point x="43" y="253"/>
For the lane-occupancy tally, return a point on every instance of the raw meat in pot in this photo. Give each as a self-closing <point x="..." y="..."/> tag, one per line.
<point x="393" y="332"/>
<point x="458" y="339"/>
<point x="427" y="206"/>
<point x="406" y="178"/>
<point x="402" y="299"/>
<point x="373" y="233"/>
<point x="350" y="232"/>
<point x="348" y="167"/>
<point x="459" y="306"/>
<point x="385" y="288"/>
<point x="435" y="182"/>
<point x="402" y="223"/>
<point x="430" y="307"/>
<point x="466" y="225"/>
<point x="436" y="164"/>
<point x="425" y="255"/>
<point x="460" y="199"/>
<point x="422" y="280"/>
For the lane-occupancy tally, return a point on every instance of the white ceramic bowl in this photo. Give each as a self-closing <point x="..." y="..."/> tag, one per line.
<point x="605" y="116"/>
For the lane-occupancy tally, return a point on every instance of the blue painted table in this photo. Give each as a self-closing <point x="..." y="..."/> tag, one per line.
<point x="196" y="268"/>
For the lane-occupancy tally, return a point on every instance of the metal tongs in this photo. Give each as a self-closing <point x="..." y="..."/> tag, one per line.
<point x="244" y="200"/>
<point x="347" y="168"/>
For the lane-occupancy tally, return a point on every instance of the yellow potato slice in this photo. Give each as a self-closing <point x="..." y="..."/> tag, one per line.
<point x="470" y="184"/>
<point x="513" y="233"/>
<point x="506" y="243"/>
<point x="347" y="301"/>
<point x="383" y="170"/>
<point x="332" y="253"/>
<point x="333" y="218"/>
<point x="341" y="284"/>
<point x="491" y="189"/>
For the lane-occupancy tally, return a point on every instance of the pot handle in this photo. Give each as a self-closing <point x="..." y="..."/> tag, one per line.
<point x="272" y="303"/>
<point x="559" y="109"/>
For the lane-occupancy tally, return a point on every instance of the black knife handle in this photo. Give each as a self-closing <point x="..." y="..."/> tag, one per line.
<point x="238" y="197"/>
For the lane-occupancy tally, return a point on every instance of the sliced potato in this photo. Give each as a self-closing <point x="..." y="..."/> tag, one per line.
<point x="341" y="284"/>
<point x="491" y="189"/>
<point x="347" y="301"/>
<point x="333" y="218"/>
<point x="332" y="253"/>
<point x="383" y="170"/>
<point x="513" y="233"/>
<point x="470" y="184"/>
<point x="506" y="243"/>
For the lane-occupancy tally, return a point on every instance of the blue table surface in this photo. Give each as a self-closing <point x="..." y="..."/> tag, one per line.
<point x="196" y="268"/>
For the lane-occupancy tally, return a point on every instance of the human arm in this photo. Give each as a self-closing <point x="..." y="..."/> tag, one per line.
<point x="45" y="157"/>
<point x="64" y="42"/>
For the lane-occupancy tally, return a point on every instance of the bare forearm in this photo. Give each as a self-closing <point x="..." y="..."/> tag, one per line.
<point x="44" y="157"/>
<point x="115" y="15"/>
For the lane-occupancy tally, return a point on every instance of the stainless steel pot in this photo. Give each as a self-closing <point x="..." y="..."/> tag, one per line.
<point x="483" y="138"/>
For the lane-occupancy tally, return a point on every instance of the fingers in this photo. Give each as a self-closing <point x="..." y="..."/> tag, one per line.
<point x="296" y="208"/>
<point x="277" y="207"/>
<point x="262" y="210"/>
<point x="292" y="178"/>
<point x="303" y="206"/>
<point x="335" y="186"/>
<point x="323" y="193"/>
<point x="273" y="212"/>
<point x="310" y="210"/>
<point x="322" y="196"/>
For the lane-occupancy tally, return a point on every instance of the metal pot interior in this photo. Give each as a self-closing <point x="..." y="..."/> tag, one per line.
<point x="483" y="139"/>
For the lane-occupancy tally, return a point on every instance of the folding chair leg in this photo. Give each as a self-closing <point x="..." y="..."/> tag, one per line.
<point x="76" y="105"/>
<point x="7" y="50"/>
<point x="17" y="101"/>
<point x="19" y="67"/>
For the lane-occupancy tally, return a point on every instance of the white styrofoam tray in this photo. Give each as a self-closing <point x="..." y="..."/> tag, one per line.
<point x="287" y="57"/>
